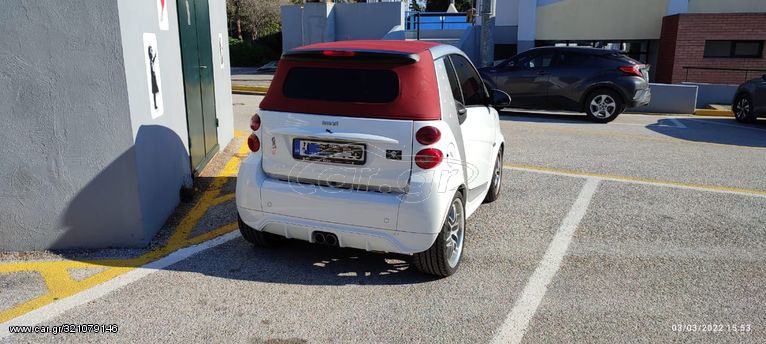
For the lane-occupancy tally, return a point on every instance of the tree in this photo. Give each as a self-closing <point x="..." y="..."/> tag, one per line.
<point x="415" y="6"/>
<point x="232" y="9"/>
<point x="259" y="18"/>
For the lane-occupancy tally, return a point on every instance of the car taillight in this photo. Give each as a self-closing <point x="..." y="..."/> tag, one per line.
<point x="632" y="70"/>
<point x="428" y="135"/>
<point x="338" y="53"/>
<point x="253" y="142"/>
<point x="255" y="122"/>
<point x="428" y="158"/>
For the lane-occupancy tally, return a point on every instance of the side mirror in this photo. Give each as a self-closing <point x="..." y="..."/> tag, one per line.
<point x="763" y="77"/>
<point x="500" y="99"/>
<point x="461" y="112"/>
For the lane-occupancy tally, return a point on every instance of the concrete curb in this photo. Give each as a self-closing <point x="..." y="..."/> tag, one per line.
<point x="713" y="113"/>
<point x="247" y="89"/>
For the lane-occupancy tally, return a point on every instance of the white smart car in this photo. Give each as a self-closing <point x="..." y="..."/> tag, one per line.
<point x="376" y="145"/>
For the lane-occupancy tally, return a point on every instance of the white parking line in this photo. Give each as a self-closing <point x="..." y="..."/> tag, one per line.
<point x="677" y="123"/>
<point x="512" y="330"/>
<point x="57" y="308"/>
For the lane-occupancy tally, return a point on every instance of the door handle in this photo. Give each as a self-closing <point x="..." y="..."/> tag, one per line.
<point x="202" y="67"/>
<point x="542" y="72"/>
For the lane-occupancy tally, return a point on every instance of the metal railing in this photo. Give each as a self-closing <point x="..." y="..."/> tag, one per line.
<point x="415" y="21"/>
<point x="746" y="70"/>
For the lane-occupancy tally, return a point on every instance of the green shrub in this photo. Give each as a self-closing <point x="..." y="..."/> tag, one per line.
<point x="250" y="54"/>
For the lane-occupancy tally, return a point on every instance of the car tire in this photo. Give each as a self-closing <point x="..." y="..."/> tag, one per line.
<point x="743" y="109"/>
<point x="497" y="179"/>
<point x="603" y="105"/>
<point x="259" y="238"/>
<point x="443" y="258"/>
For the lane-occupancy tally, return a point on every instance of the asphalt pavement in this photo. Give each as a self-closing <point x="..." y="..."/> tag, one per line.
<point x="648" y="229"/>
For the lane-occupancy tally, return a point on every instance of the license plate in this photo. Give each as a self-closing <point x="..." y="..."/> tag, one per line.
<point x="333" y="152"/>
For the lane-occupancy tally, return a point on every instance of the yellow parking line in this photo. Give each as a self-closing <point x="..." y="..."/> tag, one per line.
<point x="639" y="180"/>
<point x="56" y="273"/>
<point x="602" y="133"/>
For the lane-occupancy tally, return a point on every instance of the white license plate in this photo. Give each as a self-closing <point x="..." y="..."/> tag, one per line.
<point x="334" y="152"/>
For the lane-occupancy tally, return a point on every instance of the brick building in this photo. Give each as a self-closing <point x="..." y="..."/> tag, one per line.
<point x="725" y="48"/>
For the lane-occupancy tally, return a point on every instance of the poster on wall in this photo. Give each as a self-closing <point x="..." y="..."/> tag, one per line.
<point x="220" y="49"/>
<point x="153" y="80"/>
<point x="162" y="12"/>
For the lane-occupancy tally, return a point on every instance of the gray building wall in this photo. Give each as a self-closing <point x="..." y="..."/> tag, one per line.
<point x="160" y="145"/>
<point x="292" y="35"/>
<point x="66" y="154"/>
<point x="367" y="21"/>
<point x="327" y="22"/>
<point x="84" y="163"/>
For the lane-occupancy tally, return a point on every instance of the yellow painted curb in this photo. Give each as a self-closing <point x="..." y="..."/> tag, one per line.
<point x="247" y="89"/>
<point x="713" y="112"/>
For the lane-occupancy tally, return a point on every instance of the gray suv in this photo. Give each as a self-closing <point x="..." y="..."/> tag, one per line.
<point x="750" y="100"/>
<point x="599" y="82"/>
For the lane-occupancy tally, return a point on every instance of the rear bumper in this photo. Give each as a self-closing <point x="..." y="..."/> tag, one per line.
<point x="641" y="97"/>
<point x="401" y="223"/>
<point x="365" y="238"/>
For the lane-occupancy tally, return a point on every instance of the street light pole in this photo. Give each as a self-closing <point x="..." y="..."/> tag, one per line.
<point x="487" y="40"/>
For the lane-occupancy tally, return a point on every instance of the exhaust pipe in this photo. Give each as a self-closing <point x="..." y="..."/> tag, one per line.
<point x="324" y="238"/>
<point x="319" y="238"/>
<point x="331" y="239"/>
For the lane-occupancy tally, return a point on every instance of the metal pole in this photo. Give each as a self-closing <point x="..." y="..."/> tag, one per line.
<point x="417" y="19"/>
<point x="487" y="40"/>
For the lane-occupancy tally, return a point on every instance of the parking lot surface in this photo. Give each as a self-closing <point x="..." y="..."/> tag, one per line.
<point x="647" y="229"/>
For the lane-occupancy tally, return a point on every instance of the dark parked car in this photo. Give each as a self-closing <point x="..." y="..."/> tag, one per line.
<point x="599" y="82"/>
<point x="750" y="100"/>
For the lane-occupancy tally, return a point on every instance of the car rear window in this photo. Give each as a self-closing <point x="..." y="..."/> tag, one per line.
<point x="342" y="85"/>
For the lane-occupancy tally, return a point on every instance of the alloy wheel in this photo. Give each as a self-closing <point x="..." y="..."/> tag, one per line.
<point x="603" y="106"/>
<point x="498" y="174"/>
<point x="456" y="235"/>
<point x="742" y="110"/>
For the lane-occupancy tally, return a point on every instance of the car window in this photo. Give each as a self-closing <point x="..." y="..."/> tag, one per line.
<point x="470" y="82"/>
<point x="453" y="82"/>
<point x="511" y="62"/>
<point x="542" y="60"/>
<point x="568" y="59"/>
<point x="342" y="85"/>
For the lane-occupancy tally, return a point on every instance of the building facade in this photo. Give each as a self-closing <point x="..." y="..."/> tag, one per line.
<point x="725" y="48"/>
<point x="635" y="27"/>
<point x="109" y="107"/>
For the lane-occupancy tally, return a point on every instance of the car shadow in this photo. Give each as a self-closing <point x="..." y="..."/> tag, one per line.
<point x="724" y="131"/>
<point x="519" y="115"/>
<point x="300" y="262"/>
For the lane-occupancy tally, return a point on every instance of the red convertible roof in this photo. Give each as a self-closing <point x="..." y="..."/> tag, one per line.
<point x="418" y="97"/>
<point x="390" y="45"/>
